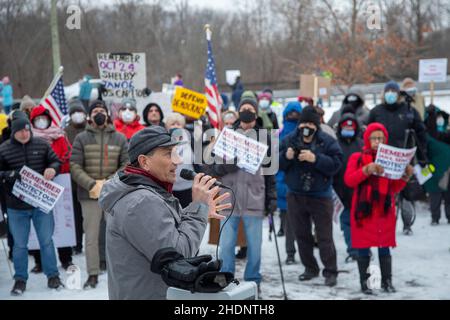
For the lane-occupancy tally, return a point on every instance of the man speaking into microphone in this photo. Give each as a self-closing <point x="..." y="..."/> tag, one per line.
<point x="143" y="216"/>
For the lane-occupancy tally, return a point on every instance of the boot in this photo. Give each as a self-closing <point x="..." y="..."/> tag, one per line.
<point x="363" y="265"/>
<point x="91" y="282"/>
<point x="386" y="274"/>
<point x="55" y="283"/>
<point x="19" y="288"/>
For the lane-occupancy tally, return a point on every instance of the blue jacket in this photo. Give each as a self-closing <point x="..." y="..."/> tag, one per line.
<point x="7" y="94"/>
<point x="85" y="89"/>
<point x="288" y="128"/>
<point x="311" y="179"/>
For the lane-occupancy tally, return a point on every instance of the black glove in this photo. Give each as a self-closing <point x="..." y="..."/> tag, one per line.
<point x="10" y="176"/>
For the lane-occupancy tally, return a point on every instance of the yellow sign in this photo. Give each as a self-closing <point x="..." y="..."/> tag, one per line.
<point x="189" y="103"/>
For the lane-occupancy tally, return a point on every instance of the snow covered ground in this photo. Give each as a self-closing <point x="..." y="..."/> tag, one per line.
<point x="421" y="270"/>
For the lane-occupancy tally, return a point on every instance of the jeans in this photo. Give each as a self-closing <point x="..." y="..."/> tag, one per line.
<point x="19" y="225"/>
<point x="382" y="252"/>
<point x="253" y="234"/>
<point x="345" y="227"/>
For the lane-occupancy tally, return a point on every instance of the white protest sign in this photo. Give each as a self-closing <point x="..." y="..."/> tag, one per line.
<point x="338" y="207"/>
<point x="394" y="160"/>
<point x="249" y="152"/>
<point x="422" y="174"/>
<point x="433" y="70"/>
<point x="231" y="76"/>
<point x="64" y="234"/>
<point x="124" y="75"/>
<point x="36" y="191"/>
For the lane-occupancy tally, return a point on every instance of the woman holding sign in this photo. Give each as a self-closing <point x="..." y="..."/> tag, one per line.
<point x="373" y="217"/>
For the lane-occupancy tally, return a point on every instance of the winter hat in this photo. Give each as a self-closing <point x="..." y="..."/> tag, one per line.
<point x="308" y="100"/>
<point x="348" y="109"/>
<point x="98" y="104"/>
<point x="39" y="111"/>
<point x="129" y="103"/>
<point x="249" y="97"/>
<point x="370" y="129"/>
<point x="265" y="95"/>
<point x="408" y="82"/>
<point x="148" y="139"/>
<point x="26" y="103"/>
<point x="391" y="85"/>
<point x="19" y="122"/>
<point x="309" y="114"/>
<point x="76" y="105"/>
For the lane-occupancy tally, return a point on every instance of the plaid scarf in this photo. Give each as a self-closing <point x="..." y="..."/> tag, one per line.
<point x="374" y="191"/>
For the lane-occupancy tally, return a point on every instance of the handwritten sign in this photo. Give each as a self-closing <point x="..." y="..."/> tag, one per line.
<point x="63" y="214"/>
<point x="249" y="152"/>
<point x="433" y="70"/>
<point x="36" y="191"/>
<point x="394" y="160"/>
<point x="124" y="74"/>
<point x="189" y="103"/>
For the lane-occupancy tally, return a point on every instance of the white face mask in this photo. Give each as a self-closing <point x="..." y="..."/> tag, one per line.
<point x="78" y="117"/>
<point x="128" y="116"/>
<point x="264" y="104"/>
<point x="41" y="123"/>
<point x="440" y="122"/>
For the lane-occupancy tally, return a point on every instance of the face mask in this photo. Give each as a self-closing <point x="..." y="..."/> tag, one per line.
<point x="308" y="132"/>
<point x="391" y="97"/>
<point x="411" y="91"/>
<point x="128" y="116"/>
<point x="78" y="117"/>
<point x="247" y="116"/>
<point x="345" y="133"/>
<point x="41" y="123"/>
<point x="100" y="119"/>
<point x="264" y="105"/>
<point x="440" y="122"/>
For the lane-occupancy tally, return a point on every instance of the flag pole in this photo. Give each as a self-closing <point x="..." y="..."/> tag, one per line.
<point x="53" y="83"/>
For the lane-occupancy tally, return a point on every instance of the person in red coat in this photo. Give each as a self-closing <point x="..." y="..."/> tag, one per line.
<point x="373" y="218"/>
<point x="128" y="121"/>
<point x="43" y="127"/>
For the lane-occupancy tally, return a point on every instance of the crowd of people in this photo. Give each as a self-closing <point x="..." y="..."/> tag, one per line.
<point x="315" y="160"/>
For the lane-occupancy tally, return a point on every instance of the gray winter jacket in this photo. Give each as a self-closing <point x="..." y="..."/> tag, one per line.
<point x="361" y="113"/>
<point x="141" y="218"/>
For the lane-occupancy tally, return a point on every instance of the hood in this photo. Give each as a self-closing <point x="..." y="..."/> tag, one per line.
<point x="357" y="93"/>
<point x="290" y="107"/>
<point x="40" y="111"/>
<point x="346" y="117"/>
<point x="147" y="109"/>
<point x="371" y="128"/>
<point x="121" y="185"/>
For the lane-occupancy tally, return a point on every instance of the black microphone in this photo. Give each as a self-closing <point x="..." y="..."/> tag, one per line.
<point x="190" y="175"/>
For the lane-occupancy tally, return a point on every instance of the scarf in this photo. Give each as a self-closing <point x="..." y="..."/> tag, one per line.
<point x="267" y="123"/>
<point x="50" y="134"/>
<point x="139" y="171"/>
<point x="373" y="192"/>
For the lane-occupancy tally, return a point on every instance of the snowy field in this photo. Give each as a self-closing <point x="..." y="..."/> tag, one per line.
<point x="421" y="270"/>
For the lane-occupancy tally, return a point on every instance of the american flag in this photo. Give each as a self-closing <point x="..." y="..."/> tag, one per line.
<point x="211" y="90"/>
<point x="56" y="102"/>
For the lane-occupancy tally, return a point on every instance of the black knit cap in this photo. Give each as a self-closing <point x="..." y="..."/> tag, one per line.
<point x="19" y="122"/>
<point x="98" y="104"/>
<point x="309" y="114"/>
<point x="146" y="140"/>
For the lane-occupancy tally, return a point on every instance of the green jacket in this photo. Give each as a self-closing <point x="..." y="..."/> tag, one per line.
<point x="439" y="156"/>
<point x="97" y="155"/>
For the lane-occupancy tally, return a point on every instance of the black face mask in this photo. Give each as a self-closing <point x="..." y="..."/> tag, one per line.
<point x="100" y="119"/>
<point x="308" y="132"/>
<point x="247" y="116"/>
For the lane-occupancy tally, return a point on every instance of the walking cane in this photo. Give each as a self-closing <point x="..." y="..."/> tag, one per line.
<point x="7" y="259"/>
<point x="272" y="229"/>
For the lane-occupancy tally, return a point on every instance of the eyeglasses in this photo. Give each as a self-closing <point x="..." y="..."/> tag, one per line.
<point x="380" y="139"/>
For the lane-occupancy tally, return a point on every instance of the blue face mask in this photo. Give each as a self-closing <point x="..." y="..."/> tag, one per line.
<point x="345" y="133"/>
<point x="391" y="97"/>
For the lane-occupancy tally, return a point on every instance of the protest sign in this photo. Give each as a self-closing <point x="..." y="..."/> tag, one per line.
<point x="338" y="207"/>
<point x="189" y="103"/>
<point x="249" y="152"/>
<point x="394" y="160"/>
<point x="423" y="174"/>
<point x="433" y="70"/>
<point x="64" y="234"/>
<point x="314" y="87"/>
<point x="231" y="76"/>
<point x="124" y="74"/>
<point x="36" y="191"/>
